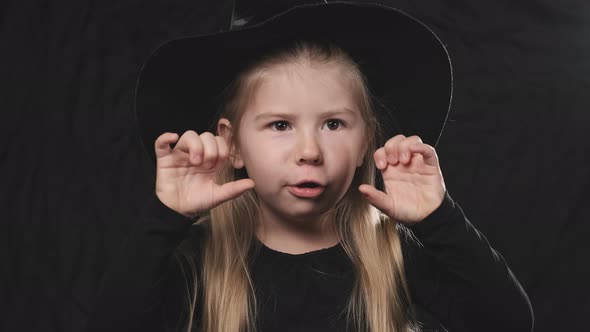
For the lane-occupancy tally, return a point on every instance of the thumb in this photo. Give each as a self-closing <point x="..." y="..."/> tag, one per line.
<point x="377" y="198"/>
<point x="232" y="190"/>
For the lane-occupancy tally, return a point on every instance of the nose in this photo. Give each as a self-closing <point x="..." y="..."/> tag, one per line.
<point x="309" y="150"/>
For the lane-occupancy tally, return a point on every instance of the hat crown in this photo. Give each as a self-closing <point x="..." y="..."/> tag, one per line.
<point x="247" y="13"/>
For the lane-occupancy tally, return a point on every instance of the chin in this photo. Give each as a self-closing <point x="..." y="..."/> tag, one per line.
<point x="306" y="210"/>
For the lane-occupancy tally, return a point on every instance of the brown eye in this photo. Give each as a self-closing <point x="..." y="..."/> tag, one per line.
<point x="333" y="124"/>
<point x="280" y="125"/>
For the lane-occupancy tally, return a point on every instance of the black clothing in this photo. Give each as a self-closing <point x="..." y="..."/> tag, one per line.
<point x="455" y="279"/>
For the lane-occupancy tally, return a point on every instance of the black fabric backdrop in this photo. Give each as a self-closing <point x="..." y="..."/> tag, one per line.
<point x="514" y="153"/>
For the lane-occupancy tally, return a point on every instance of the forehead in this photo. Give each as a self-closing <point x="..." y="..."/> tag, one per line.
<point x="303" y="86"/>
<point x="305" y="69"/>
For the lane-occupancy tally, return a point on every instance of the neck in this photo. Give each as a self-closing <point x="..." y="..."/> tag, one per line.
<point x="296" y="236"/>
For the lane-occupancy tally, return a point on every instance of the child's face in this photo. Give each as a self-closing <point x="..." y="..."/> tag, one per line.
<point x="301" y="124"/>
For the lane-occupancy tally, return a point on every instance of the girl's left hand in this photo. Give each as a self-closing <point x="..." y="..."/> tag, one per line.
<point x="412" y="178"/>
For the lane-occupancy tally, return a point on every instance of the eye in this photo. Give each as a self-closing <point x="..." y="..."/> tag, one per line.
<point x="279" y="125"/>
<point x="334" y="124"/>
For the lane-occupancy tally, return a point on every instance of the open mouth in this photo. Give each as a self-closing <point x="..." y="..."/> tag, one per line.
<point x="308" y="185"/>
<point x="307" y="189"/>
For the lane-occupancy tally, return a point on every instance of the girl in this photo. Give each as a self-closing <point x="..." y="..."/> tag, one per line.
<point x="278" y="223"/>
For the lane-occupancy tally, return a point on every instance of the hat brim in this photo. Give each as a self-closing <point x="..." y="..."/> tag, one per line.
<point x="407" y="68"/>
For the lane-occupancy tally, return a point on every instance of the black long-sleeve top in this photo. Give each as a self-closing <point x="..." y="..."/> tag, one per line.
<point x="457" y="281"/>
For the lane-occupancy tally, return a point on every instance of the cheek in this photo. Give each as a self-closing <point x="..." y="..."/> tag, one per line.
<point x="343" y="156"/>
<point x="349" y="145"/>
<point x="261" y="158"/>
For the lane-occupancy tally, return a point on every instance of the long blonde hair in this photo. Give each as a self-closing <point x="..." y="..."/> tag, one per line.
<point x="379" y="301"/>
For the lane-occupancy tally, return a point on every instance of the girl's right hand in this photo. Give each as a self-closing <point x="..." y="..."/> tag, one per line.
<point x="185" y="176"/>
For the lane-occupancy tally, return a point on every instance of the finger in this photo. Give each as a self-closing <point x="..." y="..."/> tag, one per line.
<point x="377" y="198"/>
<point x="210" y="151"/>
<point x="222" y="150"/>
<point x="405" y="155"/>
<point x="380" y="158"/>
<point x="162" y="144"/>
<point x="392" y="147"/>
<point x="190" y="144"/>
<point x="232" y="190"/>
<point x="427" y="152"/>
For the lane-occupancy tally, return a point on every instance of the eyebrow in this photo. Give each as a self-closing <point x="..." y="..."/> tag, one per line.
<point x="339" y="111"/>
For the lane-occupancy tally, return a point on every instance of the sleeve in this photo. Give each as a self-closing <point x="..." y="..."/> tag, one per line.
<point x="144" y="275"/>
<point x="456" y="276"/>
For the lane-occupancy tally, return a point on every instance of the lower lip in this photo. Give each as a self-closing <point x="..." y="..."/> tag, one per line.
<point x="306" y="192"/>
